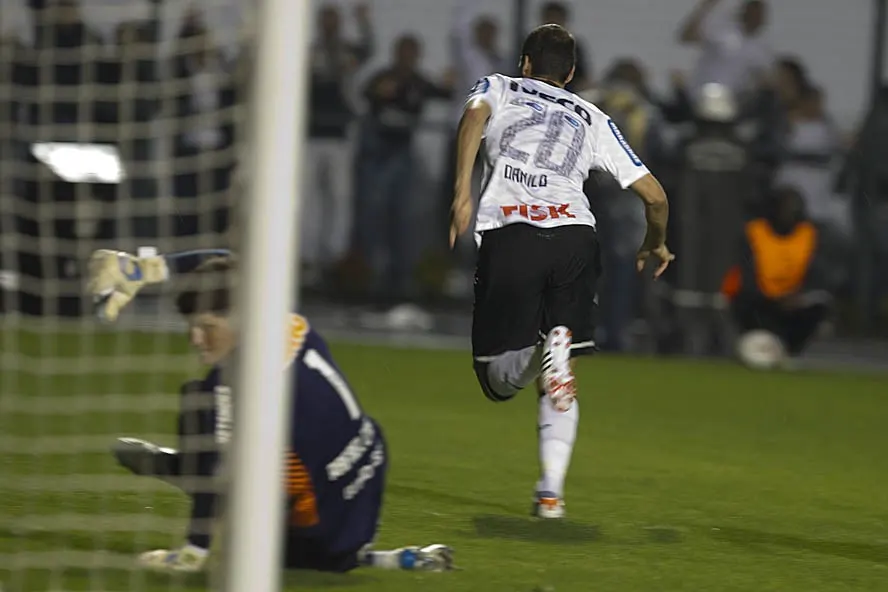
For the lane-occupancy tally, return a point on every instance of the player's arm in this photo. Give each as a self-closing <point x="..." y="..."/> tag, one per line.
<point x="692" y="31"/>
<point x="469" y="135"/>
<point x="656" y="208"/>
<point x="192" y="468"/>
<point x="656" y="212"/>
<point x="468" y="142"/>
<point x="614" y="154"/>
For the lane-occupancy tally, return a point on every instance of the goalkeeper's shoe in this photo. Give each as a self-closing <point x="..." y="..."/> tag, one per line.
<point x="188" y="559"/>
<point x="114" y="278"/>
<point x="556" y="374"/>
<point x="428" y="558"/>
<point x="547" y="505"/>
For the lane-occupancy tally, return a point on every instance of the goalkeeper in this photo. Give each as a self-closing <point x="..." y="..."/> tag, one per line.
<point x="337" y="457"/>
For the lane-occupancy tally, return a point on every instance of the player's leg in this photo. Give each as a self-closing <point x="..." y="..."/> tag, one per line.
<point x="570" y="312"/>
<point x="508" y="310"/>
<point x="356" y="533"/>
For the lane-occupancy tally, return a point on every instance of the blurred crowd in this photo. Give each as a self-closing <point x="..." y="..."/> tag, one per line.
<point x="739" y="132"/>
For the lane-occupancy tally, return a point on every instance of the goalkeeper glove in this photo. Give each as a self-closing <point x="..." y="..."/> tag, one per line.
<point x="116" y="277"/>
<point x="188" y="559"/>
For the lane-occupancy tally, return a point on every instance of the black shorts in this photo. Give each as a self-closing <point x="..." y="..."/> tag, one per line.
<point x="529" y="280"/>
<point x="306" y="553"/>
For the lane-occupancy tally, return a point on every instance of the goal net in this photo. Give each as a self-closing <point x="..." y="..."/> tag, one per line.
<point x="123" y="126"/>
<point x="120" y="127"/>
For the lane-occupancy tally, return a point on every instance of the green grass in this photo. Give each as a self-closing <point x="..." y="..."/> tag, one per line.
<point x="686" y="476"/>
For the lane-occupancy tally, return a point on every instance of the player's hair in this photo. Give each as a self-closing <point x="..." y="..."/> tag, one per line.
<point x="552" y="52"/>
<point x="208" y="288"/>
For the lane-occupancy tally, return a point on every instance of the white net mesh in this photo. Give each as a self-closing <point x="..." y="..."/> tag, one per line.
<point x="120" y="125"/>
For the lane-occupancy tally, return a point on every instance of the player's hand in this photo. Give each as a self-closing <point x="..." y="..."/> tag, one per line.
<point x="460" y="216"/>
<point x="186" y="559"/>
<point x="114" y="278"/>
<point x="659" y="253"/>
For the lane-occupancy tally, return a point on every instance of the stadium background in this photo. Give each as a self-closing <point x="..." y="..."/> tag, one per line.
<point x="680" y="447"/>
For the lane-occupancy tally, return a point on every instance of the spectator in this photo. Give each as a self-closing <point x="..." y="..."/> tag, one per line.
<point x="10" y="54"/>
<point x="59" y="23"/>
<point x="328" y="208"/>
<point x="475" y="49"/>
<point x="624" y="96"/>
<point x="712" y="195"/>
<point x="770" y="113"/>
<point x="733" y="52"/>
<point x="60" y="29"/>
<point x="775" y="285"/>
<point x="558" y="13"/>
<point x="864" y="177"/>
<point x="810" y="145"/>
<point x="396" y="97"/>
<point x="810" y="148"/>
<point x="140" y="102"/>
<point x="204" y="138"/>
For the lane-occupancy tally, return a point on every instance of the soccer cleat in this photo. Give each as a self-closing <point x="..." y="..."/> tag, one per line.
<point x="547" y="505"/>
<point x="556" y="374"/>
<point x="428" y="558"/>
<point x="435" y="558"/>
<point x="182" y="560"/>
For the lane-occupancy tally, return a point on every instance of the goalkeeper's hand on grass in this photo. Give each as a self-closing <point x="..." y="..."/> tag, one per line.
<point x="187" y="559"/>
<point x="115" y="277"/>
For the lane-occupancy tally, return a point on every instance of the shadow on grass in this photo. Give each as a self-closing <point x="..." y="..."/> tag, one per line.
<point x="755" y="539"/>
<point x="531" y="529"/>
<point x="446" y="498"/>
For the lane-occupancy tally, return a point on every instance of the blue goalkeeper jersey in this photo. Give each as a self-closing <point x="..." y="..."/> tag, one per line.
<point x="336" y="461"/>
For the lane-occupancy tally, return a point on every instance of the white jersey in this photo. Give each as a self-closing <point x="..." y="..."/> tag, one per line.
<point x="540" y="143"/>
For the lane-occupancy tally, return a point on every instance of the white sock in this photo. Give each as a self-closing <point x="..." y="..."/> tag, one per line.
<point x="404" y="558"/>
<point x="557" y="433"/>
<point x="511" y="371"/>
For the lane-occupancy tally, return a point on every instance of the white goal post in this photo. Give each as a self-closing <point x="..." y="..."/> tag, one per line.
<point x="268" y="293"/>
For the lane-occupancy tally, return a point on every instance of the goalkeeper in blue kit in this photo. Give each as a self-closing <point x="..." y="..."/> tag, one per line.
<point x="336" y="462"/>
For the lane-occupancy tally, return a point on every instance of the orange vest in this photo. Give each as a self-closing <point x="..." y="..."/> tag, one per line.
<point x="781" y="262"/>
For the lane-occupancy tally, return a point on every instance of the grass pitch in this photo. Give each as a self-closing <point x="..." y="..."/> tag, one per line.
<point x="686" y="476"/>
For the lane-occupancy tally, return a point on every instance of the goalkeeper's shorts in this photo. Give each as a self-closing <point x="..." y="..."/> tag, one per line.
<point x="306" y="553"/>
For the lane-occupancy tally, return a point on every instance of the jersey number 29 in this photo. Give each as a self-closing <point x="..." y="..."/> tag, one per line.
<point x="319" y="364"/>
<point x="554" y="120"/>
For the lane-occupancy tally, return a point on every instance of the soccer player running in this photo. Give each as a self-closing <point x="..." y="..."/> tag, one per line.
<point x="337" y="458"/>
<point x="538" y="261"/>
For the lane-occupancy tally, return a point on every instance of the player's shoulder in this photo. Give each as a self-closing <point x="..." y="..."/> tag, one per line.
<point x="301" y="337"/>
<point x="490" y="83"/>
<point x="588" y="99"/>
